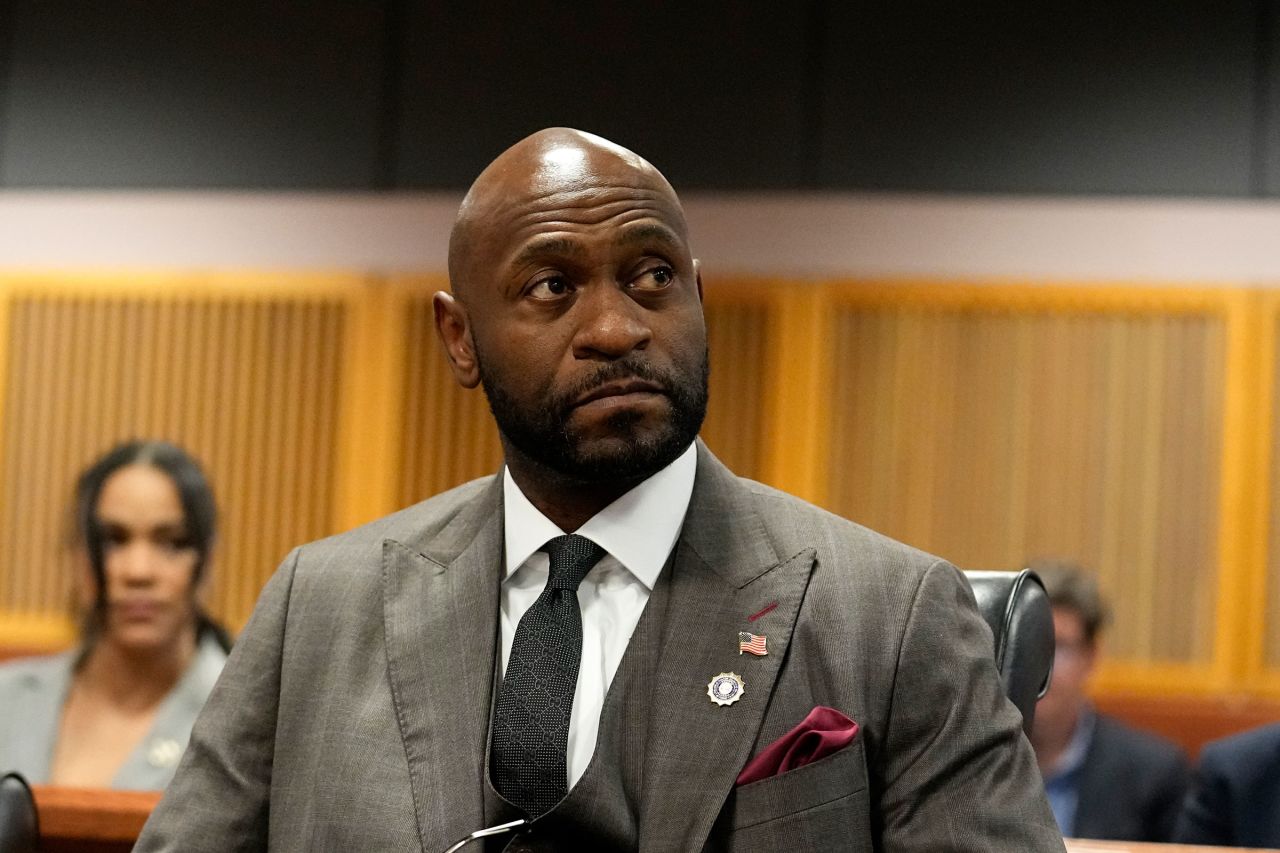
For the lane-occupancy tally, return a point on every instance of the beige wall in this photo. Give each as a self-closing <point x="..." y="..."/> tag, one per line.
<point x="1074" y="240"/>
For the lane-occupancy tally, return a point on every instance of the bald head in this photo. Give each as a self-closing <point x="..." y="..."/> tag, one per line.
<point x="549" y="164"/>
<point x="577" y="306"/>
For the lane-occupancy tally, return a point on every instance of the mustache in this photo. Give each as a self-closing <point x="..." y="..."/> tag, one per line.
<point x="615" y="371"/>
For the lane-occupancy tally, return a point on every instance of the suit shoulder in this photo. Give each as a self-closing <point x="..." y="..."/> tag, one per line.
<point x="32" y="673"/>
<point x="1256" y="751"/>
<point x="795" y="524"/>
<point x="418" y="522"/>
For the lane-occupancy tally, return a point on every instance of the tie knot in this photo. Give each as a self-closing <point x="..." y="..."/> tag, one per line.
<point x="572" y="557"/>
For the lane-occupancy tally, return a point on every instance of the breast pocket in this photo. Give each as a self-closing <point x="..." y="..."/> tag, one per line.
<point x="820" y="806"/>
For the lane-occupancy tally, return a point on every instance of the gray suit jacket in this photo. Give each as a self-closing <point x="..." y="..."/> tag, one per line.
<point x="33" y="690"/>
<point x="353" y="713"/>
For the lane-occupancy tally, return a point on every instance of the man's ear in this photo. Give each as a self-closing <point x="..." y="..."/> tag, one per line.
<point x="453" y="327"/>
<point x="697" y="276"/>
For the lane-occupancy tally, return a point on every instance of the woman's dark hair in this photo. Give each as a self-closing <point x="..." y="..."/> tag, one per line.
<point x="198" y="508"/>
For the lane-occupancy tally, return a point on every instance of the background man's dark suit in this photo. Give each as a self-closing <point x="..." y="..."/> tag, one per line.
<point x="1235" y="793"/>
<point x="1131" y="785"/>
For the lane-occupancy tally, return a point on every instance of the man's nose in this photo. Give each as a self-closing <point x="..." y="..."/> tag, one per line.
<point x="611" y="324"/>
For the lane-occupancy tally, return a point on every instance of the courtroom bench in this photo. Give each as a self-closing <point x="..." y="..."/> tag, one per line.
<point x="89" y="820"/>
<point x="1079" y="845"/>
<point x="85" y="820"/>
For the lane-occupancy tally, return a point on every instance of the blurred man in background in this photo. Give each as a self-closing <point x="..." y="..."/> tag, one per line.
<point x="1104" y="779"/>
<point x="1235" y="796"/>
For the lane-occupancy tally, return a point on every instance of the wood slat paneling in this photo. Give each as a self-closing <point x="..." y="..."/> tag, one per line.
<point x="738" y="340"/>
<point x="449" y="436"/>
<point x="994" y="437"/>
<point x="1271" y="636"/>
<point x="250" y="387"/>
<point x="989" y="424"/>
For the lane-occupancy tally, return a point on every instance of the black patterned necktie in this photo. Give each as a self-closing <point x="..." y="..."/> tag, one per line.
<point x="531" y="719"/>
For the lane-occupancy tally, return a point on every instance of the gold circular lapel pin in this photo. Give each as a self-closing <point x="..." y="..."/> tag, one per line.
<point x="726" y="688"/>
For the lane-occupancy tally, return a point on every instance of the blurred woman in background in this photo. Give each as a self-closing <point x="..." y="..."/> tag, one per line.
<point x="117" y="712"/>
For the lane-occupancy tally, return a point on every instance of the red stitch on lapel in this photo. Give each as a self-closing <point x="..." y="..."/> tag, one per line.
<point x="754" y="616"/>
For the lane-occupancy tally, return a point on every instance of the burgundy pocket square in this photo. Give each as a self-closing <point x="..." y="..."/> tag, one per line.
<point x="824" y="731"/>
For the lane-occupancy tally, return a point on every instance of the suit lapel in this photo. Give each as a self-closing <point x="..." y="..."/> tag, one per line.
<point x="440" y="615"/>
<point x="1097" y="797"/>
<point x="1268" y="829"/>
<point x="725" y="570"/>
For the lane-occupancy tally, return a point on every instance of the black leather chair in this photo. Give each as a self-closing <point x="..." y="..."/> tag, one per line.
<point x="1017" y="609"/>
<point x="18" y="828"/>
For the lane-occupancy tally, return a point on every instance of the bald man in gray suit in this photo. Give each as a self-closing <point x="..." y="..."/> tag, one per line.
<point x="615" y="643"/>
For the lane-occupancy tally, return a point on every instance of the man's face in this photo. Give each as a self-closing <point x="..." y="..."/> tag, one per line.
<point x="1072" y="665"/>
<point x="585" y="311"/>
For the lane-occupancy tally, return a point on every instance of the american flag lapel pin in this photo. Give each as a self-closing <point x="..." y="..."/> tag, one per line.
<point x="751" y="644"/>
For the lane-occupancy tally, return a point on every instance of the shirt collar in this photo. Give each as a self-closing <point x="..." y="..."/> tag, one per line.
<point x="1072" y="758"/>
<point x="639" y="529"/>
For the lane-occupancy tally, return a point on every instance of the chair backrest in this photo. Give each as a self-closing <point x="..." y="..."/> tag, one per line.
<point x="1017" y="609"/>
<point x="18" y="829"/>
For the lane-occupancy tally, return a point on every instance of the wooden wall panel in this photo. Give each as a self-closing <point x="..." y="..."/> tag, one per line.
<point x="449" y="436"/>
<point x="249" y="386"/>
<point x="993" y="438"/>
<point x="989" y="424"/>
<point x="738" y="340"/>
<point x="1271" y="633"/>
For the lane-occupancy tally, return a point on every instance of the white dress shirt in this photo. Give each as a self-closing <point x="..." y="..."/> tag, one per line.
<point x="637" y="531"/>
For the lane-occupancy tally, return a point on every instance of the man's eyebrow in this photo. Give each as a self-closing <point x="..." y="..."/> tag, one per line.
<point x="548" y="246"/>
<point x="647" y="232"/>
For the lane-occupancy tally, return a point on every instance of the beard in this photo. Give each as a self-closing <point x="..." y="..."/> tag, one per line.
<point x="545" y="434"/>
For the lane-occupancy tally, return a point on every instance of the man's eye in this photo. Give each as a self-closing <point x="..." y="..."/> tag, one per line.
<point x="550" y="288"/>
<point x="655" y="278"/>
